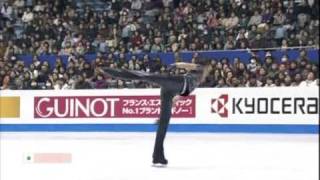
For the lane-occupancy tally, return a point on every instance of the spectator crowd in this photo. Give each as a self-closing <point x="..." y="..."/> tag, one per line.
<point x="116" y="27"/>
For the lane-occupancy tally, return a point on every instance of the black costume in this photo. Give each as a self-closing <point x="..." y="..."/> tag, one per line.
<point x="171" y="85"/>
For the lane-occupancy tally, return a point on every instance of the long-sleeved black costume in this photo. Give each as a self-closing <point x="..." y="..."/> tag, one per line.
<point x="171" y="85"/>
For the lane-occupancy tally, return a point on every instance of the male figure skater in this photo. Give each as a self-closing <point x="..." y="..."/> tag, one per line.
<point x="172" y="87"/>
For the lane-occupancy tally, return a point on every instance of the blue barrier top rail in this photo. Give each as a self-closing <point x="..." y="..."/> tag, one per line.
<point x="169" y="58"/>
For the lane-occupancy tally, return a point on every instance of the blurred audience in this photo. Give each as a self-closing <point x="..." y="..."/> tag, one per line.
<point x="80" y="74"/>
<point x="114" y="28"/>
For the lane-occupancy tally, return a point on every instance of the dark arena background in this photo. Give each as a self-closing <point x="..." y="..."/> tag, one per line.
<point x="253" y="116"/>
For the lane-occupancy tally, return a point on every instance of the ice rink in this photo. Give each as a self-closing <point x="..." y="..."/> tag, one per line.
<point x="192" y="156"/>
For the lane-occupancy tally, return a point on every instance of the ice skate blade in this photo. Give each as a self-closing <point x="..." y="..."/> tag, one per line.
<point x="159" y="165"/>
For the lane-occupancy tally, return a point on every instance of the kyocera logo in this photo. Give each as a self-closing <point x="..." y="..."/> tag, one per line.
<point x="218" y="105"/>
<point x="264" y="105"/>
<point x="74" y="107"/>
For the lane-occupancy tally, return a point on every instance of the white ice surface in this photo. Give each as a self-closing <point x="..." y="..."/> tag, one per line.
<point x="127" y="156"/>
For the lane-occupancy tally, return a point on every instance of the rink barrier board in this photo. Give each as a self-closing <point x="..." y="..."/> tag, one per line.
<point x="238" y="110"/>
<point x="286" y="105"/>
<point x="196" y="128"/>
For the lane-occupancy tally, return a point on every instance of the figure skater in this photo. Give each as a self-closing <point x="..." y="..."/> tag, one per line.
<point x="172" y="88"/>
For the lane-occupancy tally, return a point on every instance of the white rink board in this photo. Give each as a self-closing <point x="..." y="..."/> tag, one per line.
<point x="204" y="106"/>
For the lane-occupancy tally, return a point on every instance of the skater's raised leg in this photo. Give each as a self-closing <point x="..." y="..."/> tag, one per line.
<point x="122" y="74"/>
<point x="172" y="83"/>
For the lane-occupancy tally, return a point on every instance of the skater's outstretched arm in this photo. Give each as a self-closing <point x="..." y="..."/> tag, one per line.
<point x="203" y="70"/>
<point x="187" y="66"/>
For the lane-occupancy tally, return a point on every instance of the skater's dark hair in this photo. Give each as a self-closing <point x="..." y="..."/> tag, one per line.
<point x="202" y="65"/>
<point x="202" y="61"/>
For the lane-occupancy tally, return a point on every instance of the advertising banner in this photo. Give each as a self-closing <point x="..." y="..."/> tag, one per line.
<point x="108" y="107"/>
<point x="292" y="105"/>
<point x="135" y="107"/>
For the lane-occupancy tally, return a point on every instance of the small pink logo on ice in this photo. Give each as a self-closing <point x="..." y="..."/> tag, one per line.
<point x="108" y="106"/>
<point x="51" y="158"/>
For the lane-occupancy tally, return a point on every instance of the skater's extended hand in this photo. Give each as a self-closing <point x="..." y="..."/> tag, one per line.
<point x="99" y="70"/>
<point x="176" y="98"/>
